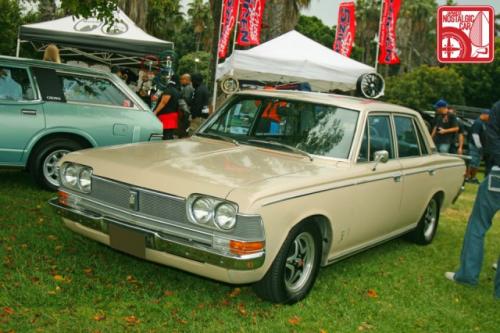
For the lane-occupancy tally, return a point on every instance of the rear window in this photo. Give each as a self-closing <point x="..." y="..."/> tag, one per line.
<point x="93" y="91"/>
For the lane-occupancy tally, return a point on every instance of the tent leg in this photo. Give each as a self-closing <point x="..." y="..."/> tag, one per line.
<point x="18" y="49"/>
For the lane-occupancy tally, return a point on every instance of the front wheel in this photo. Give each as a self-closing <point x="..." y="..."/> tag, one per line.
<point x="294" y="270"/>
<point x="44" y="161"/>
<point x="426" y="228"/>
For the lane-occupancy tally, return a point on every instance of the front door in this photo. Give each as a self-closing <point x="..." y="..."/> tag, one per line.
<point x="21" y="114"/>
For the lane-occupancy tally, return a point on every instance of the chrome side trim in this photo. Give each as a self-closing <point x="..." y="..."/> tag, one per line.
<point x="165" y="243"/>
<point x="367" y="180"/>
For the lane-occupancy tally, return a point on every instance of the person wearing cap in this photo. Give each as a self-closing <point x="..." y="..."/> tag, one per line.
<point x="487" y="204"/>
<point x="477" y="142"/>
<point x="167" y="109"/>
<point x="445" y="127"/>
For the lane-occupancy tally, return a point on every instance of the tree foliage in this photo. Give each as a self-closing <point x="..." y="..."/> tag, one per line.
<point x="422" y="87"/>
<point x="314" y="28"/>
<point x="10" y="19"/>
<point x="188" y="64"/>
<point x="481" y="82"/>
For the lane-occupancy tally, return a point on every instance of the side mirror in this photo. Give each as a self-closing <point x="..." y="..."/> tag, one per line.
<point x="380" y="156"/>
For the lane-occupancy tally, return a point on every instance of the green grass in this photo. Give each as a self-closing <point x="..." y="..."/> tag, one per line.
<point x="53" y="280"/>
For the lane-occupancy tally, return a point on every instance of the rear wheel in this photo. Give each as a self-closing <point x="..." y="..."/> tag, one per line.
<point x="294" y="270"/>
<point x="44" y="160"/>
<point x="426" y="228"/>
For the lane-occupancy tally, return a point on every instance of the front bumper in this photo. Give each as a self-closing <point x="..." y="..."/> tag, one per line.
<point x="168" y="244"/>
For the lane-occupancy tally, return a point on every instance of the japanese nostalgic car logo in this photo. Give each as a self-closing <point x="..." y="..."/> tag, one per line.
<point x="133" y="200"/>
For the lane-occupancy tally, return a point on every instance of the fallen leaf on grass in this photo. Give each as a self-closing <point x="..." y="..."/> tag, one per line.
<point x="51" y="237"/>
<point x="24" y="246"/>
<point x="88" y="271"/>
<point x="241" y="309"/>
<point x="168" y="293"/>
<point x="132" y="320"/>
<point x="58" y="277"/>
<point x="364" y="327"/>
<point x="99" y="316"/>
<point x="131" y="279"/>
<point x="235" y="292"/>
<point x="8" y="310"/>
<point x="322" y="331"/>
<point x="372" y="293"/>
<point x="295" y="320"/>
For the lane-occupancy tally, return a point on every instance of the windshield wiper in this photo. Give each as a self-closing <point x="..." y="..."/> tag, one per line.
<point x="218" y="137"/>
<point x="282" y="145"/>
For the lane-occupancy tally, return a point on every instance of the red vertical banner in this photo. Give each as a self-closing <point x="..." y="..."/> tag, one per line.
<point x="250" y="22"/>
<point x="229" y="16"/>
<point x="346" y="29"/>
<point x="388" y="55"/>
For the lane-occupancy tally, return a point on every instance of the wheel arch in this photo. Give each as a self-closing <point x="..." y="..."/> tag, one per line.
<point x="326" y="229"/>
<point x="81" y="137"/>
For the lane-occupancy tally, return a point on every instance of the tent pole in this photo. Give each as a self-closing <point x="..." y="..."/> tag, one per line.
<point x="214" y="96"/>
<point x="18" y="48"/>
<point x="378" y="36"/>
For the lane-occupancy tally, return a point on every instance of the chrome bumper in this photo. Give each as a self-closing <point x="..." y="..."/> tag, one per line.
<point x="160" y="242"/>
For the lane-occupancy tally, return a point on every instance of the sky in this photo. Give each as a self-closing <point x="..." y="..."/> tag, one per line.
<point x="327" y="10"/>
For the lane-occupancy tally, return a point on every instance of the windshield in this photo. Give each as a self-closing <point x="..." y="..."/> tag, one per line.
<point x="317" y="129"/>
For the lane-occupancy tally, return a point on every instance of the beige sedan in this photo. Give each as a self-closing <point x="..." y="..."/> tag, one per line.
<point x="273" y="186"/>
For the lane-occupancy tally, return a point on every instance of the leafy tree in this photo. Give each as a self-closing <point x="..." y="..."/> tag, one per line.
<point x="481" y="82"/>
<point x="10" y="19"/>
<point x="200" y="20"/>
<point x="420" y="88"/>
<point x="314" y="28"/>
<point x="281" y="16"/>
<point x="189" y="64"/>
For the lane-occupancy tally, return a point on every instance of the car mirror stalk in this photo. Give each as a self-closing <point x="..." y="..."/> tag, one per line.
<point x="380" y="156"/>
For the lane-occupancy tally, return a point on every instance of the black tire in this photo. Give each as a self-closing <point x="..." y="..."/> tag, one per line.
<point x="424" y="232"/>
<point x="277" y="285"/>
<point x="50" y="149"/>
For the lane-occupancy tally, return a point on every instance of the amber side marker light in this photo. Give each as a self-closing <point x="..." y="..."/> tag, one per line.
<point x="63" y="197"/>
<point x="244" y="248"/>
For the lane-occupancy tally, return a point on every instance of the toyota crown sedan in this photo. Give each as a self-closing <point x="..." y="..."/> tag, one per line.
<point x="272" y="187"/>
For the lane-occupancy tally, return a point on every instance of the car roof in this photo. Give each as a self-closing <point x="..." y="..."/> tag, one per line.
<point x="47" y="64"/>
<point x="347" y="102"/>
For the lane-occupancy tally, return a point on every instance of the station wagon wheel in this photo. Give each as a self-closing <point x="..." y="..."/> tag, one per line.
<point x="44" y="158"/>
<point x="294" y="270"/>
<point x="426" y="228"/>
<point x="49" y="166"/>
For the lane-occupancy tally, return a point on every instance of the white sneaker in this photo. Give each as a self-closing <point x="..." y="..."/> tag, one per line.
<point x="495" y="266"/>
<point x="450" y="276"/>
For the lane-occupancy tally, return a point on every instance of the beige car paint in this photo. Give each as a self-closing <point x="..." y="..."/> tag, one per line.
<point x="357" y="206"/>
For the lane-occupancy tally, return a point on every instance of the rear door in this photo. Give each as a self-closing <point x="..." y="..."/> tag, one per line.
<point x="94" y="105"/>
<point x="21" y="113"/>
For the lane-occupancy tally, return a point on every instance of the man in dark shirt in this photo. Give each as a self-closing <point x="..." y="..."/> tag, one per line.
<point x="445" y="128"/>
<point x="477" y="141"/>
<point x="199" y="106"/>
<point x="487" y="204"/>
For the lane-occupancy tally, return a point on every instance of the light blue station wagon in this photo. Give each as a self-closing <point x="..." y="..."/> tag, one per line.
<point x="48" y="110"/>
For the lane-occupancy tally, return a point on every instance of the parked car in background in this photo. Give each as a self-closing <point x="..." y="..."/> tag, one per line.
<point x="273" y="186"/>
<point x="48" y="110"/>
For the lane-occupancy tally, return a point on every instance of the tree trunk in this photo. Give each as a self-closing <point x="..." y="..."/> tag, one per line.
<point x="137" y="10"/>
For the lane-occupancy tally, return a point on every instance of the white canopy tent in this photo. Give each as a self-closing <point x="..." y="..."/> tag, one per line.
<point x="123" y="43"/>
<point x="292" y="57"/>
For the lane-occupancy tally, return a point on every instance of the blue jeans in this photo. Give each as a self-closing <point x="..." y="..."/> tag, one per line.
<point x="443" y="147"/>
<point x="486" y="205"/>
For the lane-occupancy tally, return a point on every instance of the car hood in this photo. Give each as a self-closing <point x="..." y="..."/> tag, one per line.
<point x="194" y="165"/>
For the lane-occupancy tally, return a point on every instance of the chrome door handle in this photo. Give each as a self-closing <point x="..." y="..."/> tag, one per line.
<point x="431" y="172"/>
<point x="29" y="112"/>
<point x="397" y="179"/>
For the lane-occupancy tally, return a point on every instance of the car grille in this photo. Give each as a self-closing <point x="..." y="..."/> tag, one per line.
<point x="149" y="203"/>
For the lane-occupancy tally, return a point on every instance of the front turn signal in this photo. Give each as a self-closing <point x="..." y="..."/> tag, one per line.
<point x="244" y="248"/>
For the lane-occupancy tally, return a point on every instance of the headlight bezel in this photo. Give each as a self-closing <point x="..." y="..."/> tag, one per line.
<point x="214" y="204"/>
<point x="77" y="184"/>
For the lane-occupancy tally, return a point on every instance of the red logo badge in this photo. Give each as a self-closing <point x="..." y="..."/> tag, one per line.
<point x="465" y="34"/>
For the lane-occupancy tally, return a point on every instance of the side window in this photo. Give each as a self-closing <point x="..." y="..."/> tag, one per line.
<point x="421" y="139"/>
<point x="93" y="91"/>
<point x="15" y="84"/>
<point x="239" y="118"/>
<point x="407" y="137"/>
<point x="377" y="136"/>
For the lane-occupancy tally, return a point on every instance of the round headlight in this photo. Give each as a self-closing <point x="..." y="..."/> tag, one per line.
<point x="202" y="210"/>
<point x="70" y="175"/>
<point x="225" y="216"/>
<point x="85" y="181"/>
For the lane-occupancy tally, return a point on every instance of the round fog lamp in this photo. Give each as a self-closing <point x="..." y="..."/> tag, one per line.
<point x="70" y="175"/>
<point x="202" y="210"/>
<point x="85" y="180"/>
<point x="225" y="216"/>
